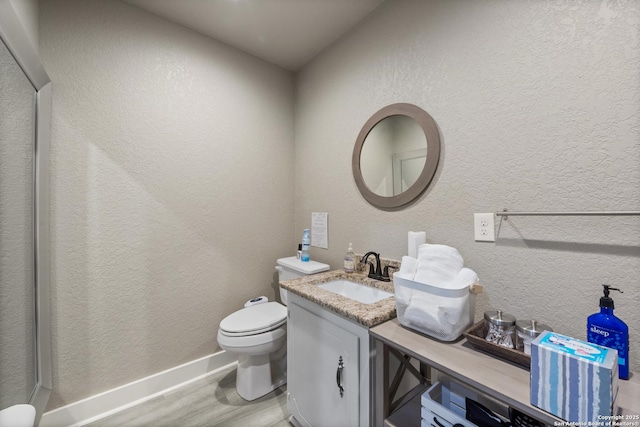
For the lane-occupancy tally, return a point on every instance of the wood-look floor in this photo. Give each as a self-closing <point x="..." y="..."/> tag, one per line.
<point x="211" y="401"/>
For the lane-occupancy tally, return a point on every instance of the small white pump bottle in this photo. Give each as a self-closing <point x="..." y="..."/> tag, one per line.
<point x="349" y="260"/>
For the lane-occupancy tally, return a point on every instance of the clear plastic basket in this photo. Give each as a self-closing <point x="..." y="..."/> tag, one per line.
<point x="432" y="310"/>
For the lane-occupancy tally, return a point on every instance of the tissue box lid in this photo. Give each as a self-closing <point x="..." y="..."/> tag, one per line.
<point x="586" y="351"/>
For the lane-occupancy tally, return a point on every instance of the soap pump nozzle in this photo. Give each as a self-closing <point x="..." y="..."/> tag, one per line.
<point x="606" y="301"/>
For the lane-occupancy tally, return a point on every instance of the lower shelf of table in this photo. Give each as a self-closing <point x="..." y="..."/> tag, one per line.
<point x="407" y="415"/>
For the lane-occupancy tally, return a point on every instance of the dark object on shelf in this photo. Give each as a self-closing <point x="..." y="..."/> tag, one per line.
<point x="476" y="336"/>
<point x="482" y="416"/>
<point x="518" y="419"/>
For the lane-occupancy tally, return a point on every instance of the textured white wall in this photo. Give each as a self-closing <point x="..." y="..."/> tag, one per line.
<point x="538" y="105"/>
<point x="172" y="190"/>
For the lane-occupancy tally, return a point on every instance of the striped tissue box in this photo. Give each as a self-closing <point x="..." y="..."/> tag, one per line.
<point x="574" y="380"/>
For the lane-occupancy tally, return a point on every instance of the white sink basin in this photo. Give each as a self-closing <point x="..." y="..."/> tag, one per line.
<point x="356" y="291"/>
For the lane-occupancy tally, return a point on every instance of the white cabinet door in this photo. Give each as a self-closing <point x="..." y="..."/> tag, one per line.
<point x="316" y="348"/>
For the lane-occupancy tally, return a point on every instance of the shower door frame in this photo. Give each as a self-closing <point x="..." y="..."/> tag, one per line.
<point x="15" y="38"/>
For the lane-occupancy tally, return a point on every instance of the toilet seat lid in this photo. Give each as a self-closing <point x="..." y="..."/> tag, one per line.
<point x="255" y="319"/>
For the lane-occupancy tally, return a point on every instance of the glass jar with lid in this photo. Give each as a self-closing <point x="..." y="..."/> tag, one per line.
<point x="501" y="328"/>
<point x="527" y="331"/>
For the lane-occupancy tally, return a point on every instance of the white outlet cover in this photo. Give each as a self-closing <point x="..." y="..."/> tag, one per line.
<point x="484" y="227"/>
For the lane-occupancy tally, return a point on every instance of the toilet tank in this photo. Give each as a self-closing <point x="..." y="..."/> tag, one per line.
<point x="292" y="268"/>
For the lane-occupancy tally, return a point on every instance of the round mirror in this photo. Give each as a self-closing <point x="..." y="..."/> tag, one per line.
<point x="396" y="155"/>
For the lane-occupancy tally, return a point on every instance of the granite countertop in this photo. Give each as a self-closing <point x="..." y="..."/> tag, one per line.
<point x="368" y="315"/>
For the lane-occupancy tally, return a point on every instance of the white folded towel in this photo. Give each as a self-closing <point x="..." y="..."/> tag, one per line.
<point x="432" y="278"/>
<point x="437" y="314"/>
<point x="438" y="265"/>
<point x="424" y="319"/>
<point x="455" y="310"/>
<point x="444" y="250"/>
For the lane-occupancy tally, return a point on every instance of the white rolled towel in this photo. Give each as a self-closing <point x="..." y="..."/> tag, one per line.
<point x="403" y="295"/>
<point x="465" y="277"/>
<point x="414" y="240"/>
<point x="456" y="310"/>
<point x="408" y="267"/>
<point x="407" y="271"/>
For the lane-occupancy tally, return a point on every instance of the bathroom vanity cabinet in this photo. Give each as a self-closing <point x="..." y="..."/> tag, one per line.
<point x="327" y="367"/>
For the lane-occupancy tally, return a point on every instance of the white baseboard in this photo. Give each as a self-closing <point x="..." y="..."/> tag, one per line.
<point x="111" y="401"/>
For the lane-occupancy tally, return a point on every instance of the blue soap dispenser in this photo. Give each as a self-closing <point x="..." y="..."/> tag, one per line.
<point x="606" y="329"/>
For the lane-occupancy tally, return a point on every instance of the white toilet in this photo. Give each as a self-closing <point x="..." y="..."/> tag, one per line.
<point x="21" y="415"/>
<point x="258" y="335"/>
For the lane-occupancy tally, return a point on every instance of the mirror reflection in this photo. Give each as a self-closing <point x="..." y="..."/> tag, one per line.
<point x="393" y="155"/>
<point x="17" y="274"/>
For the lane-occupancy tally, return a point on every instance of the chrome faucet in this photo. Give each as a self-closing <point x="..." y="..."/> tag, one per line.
<point x="376" y="272"/>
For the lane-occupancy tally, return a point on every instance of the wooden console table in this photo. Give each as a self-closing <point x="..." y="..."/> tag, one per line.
<point x="501" y="380"/>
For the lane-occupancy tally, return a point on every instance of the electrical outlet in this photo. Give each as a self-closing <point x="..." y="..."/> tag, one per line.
<point x="484" y="227"/>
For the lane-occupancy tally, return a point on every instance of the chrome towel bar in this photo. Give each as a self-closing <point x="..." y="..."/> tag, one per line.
<point x="505" y="213"/>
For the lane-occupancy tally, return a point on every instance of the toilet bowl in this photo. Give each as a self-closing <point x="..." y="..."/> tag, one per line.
<point x="21" y="415"/>
<point x="258" y="336"/>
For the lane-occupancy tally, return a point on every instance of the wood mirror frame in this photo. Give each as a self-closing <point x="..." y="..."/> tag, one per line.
<point x="432" y="135"/>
